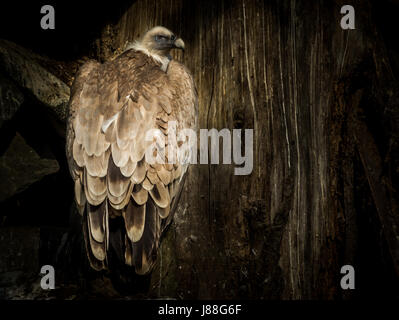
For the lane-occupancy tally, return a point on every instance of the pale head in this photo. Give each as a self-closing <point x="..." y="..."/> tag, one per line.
<point x="160" y="41"/>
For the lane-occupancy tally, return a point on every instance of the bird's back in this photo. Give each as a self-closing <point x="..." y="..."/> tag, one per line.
<point x="125" y="201"/>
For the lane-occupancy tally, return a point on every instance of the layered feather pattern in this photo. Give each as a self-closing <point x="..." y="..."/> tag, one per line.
<point x="112" y="107"/>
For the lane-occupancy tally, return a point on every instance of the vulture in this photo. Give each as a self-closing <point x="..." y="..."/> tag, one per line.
<point x="126" y="202"/>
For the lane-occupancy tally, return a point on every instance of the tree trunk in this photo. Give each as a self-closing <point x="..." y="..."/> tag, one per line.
<point x="287" y="70"/>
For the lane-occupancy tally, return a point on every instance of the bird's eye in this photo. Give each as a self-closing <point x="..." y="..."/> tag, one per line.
<point x="160" y="38"/>
<point x="173" y="37"/>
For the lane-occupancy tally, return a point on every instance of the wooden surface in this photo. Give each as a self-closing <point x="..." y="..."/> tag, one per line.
<point x="274" y="67"/>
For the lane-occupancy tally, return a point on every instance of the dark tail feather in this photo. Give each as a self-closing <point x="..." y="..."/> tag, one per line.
<point x="96" y="234"/>
<point x="144" y="250"/>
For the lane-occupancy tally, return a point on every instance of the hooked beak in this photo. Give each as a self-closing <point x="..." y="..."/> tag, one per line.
<point x="179" y="44"/>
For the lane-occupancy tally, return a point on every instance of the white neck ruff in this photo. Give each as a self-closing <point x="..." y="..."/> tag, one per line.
<point x="164" y="61"/>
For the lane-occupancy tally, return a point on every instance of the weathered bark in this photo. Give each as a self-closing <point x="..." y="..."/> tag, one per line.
<point x="22" y="67"/>
<point x="282" y="231"/>
<point x="20" y="167"/>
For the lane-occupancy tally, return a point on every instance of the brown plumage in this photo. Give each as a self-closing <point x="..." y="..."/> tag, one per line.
<point x="112" y="106"/>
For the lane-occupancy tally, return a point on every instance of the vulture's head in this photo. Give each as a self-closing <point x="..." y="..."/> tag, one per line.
<point x="160" y="41"/>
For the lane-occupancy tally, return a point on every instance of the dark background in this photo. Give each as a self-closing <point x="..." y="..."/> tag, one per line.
<point x="232" y="217"/>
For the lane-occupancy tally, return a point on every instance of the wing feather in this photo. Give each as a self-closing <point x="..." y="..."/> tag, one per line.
<point x="140" y="172"/>
<point x="134" y="216"/>
<point x="139" y="194"/>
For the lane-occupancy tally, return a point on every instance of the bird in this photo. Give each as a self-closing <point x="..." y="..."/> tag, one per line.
<point x="126" y="202"/>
